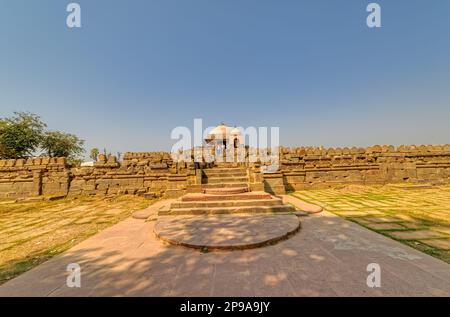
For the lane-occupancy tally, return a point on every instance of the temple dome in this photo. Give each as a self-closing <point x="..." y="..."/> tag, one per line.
<point x="235" y="132"/>
<point x="221" y="132"/>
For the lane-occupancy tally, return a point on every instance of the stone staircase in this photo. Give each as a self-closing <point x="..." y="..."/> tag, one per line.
<point x="220" y="181"/>
<point x="225" y="190"/>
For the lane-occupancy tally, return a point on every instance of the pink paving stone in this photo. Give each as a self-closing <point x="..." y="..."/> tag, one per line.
<point x="300" y="204"/>
<point x="152" y="210"/>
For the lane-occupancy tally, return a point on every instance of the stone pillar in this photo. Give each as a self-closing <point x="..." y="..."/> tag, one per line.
<point x="37" y="183"/>
<point x="194" y="183"/>
<point x="176" y="185"/>
<point x="255" y="178"/>
<point x="274" y="183"/>
<point x="198" y="176"/>
<point x="65" y="183"/>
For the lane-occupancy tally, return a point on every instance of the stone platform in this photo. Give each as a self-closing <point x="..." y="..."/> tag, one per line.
<point x="226" y="232"/>
<point x="225" y="191"/>
<point x="226" y="215"/>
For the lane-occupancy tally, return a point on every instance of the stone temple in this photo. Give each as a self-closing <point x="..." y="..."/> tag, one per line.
<point x="224" y="184"/>
<point x="224" y="191"/>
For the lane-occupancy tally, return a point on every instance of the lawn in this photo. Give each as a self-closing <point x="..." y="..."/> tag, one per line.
<point x="33" y="232"/>
<point x="416" y="216"/>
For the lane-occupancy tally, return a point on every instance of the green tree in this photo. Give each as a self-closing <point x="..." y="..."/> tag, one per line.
<point x="20" y="135"/>
<point x="60" y="144"/>
<point x="94" y="154"/>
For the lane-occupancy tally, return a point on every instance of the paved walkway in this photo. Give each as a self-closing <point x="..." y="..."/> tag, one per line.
<point x="328" y="257"/>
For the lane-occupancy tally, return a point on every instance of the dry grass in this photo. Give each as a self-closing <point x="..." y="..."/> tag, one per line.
<point x="33" y="232"/>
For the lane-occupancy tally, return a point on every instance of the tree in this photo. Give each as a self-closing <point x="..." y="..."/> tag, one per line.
<point x="20" y="135"/>
<point x="60" y="144"/>
<point x="94" y="154"/>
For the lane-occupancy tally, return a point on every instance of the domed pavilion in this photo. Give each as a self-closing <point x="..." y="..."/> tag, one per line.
<point x="225" y="135"/>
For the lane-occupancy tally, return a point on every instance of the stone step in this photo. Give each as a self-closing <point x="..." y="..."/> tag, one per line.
<point x="229" y="180"/>
<point x="225" y="191"/>
<point x="227" y="164"/>
<point x="224" y="175"/>
<point x="226" y="210"/>
<point x="149" y="195"/>
<point x="226" y="168"/>
<point x="225" y="185"/>
<point x="225" y="203"/>
<point x="222" y="196"/>
<point x="224" y="171"/>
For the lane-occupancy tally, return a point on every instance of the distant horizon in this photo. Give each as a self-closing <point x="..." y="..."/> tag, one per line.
<point x="136" y="70"/>
<point x="143" y="150"/>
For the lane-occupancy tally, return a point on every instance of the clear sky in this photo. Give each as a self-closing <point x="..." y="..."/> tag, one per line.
<point x="137" y="69"/>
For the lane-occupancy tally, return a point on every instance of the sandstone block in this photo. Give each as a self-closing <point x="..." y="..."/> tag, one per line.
<point x="111" y="159"/>
<point x="20" y="162"/>
<point x="101" y="158"/>
<point x="61" y="160"/>
<point x="10" y="163"/>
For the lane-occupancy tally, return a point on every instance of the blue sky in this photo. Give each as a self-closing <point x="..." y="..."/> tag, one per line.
<point x="137" y="69"/>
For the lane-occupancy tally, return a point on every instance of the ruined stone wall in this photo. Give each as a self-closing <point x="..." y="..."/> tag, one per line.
<point x="153" y="174"/>
<point x="313" y="167"/>
<point x="33" y="177"/>
<point x="149" y="173"/>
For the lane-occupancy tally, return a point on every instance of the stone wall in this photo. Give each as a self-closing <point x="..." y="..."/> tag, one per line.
<point x="317" y="167"/>
<point x="155" y="174"/>
<point x="149" y="173"/>
<point x="33" y="177"/>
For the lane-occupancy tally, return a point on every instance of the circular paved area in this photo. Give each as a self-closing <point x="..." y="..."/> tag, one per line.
<point x="226" y="232"/>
